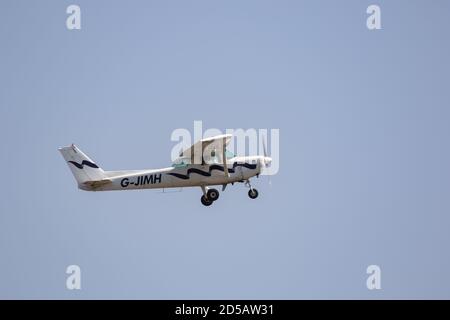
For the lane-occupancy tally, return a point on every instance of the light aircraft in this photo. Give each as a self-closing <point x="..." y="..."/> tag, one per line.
<point x="213" y="167"/>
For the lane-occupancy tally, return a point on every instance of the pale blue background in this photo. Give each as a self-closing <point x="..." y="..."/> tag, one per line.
<point x="365" y="162"/>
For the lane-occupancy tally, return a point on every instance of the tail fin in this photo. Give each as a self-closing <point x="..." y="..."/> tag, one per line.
<point x="83" y="168"/>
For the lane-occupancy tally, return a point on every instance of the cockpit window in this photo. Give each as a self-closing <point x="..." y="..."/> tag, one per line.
<point x="229" y="154"/>
<point x="181" y="162"/>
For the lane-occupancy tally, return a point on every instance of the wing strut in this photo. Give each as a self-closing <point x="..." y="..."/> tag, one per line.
<point x="224" y="157"/>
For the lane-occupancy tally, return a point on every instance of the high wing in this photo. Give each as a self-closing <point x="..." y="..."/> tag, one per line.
<point x="208" y="147"/>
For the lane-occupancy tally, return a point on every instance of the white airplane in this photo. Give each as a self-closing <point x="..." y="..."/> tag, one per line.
<point x="207" y="169"/>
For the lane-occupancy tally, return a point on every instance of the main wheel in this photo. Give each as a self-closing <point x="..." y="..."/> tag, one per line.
<point x="205" y="201"/>
<point x="212" y="194"/>
<point x="253" y="193"/>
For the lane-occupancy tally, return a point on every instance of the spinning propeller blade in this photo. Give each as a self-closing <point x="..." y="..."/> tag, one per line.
<point x="224" y="158"/>
<point x="267" y="160"/>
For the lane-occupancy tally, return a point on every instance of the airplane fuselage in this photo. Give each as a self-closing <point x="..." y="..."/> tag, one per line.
<point x="239" y="169"/>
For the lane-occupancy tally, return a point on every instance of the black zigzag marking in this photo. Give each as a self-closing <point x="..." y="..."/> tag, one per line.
<point x="84" y="163"/>
<point x="211" y="168"/>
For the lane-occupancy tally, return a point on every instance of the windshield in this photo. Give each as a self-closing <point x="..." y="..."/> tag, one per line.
<point x="229" y="154"/>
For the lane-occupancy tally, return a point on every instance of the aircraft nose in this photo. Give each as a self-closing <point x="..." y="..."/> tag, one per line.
<point x="266" y="161"/>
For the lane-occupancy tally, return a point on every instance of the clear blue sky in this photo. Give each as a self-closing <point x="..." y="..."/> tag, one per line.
<point x="364" y="126"/>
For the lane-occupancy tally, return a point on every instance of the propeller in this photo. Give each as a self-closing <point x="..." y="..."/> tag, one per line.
<point x="224" y="158"/>
<point x="266" y="160"/>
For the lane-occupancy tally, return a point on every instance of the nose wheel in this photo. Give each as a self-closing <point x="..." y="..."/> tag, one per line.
<point x="253" y="193"/>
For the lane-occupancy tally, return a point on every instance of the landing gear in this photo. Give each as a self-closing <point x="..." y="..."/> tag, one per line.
<point x="253" y="193"/>
<point x="212" y="194"/>
<point x="209" y="196"/>
<point x="205" y="201"/>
